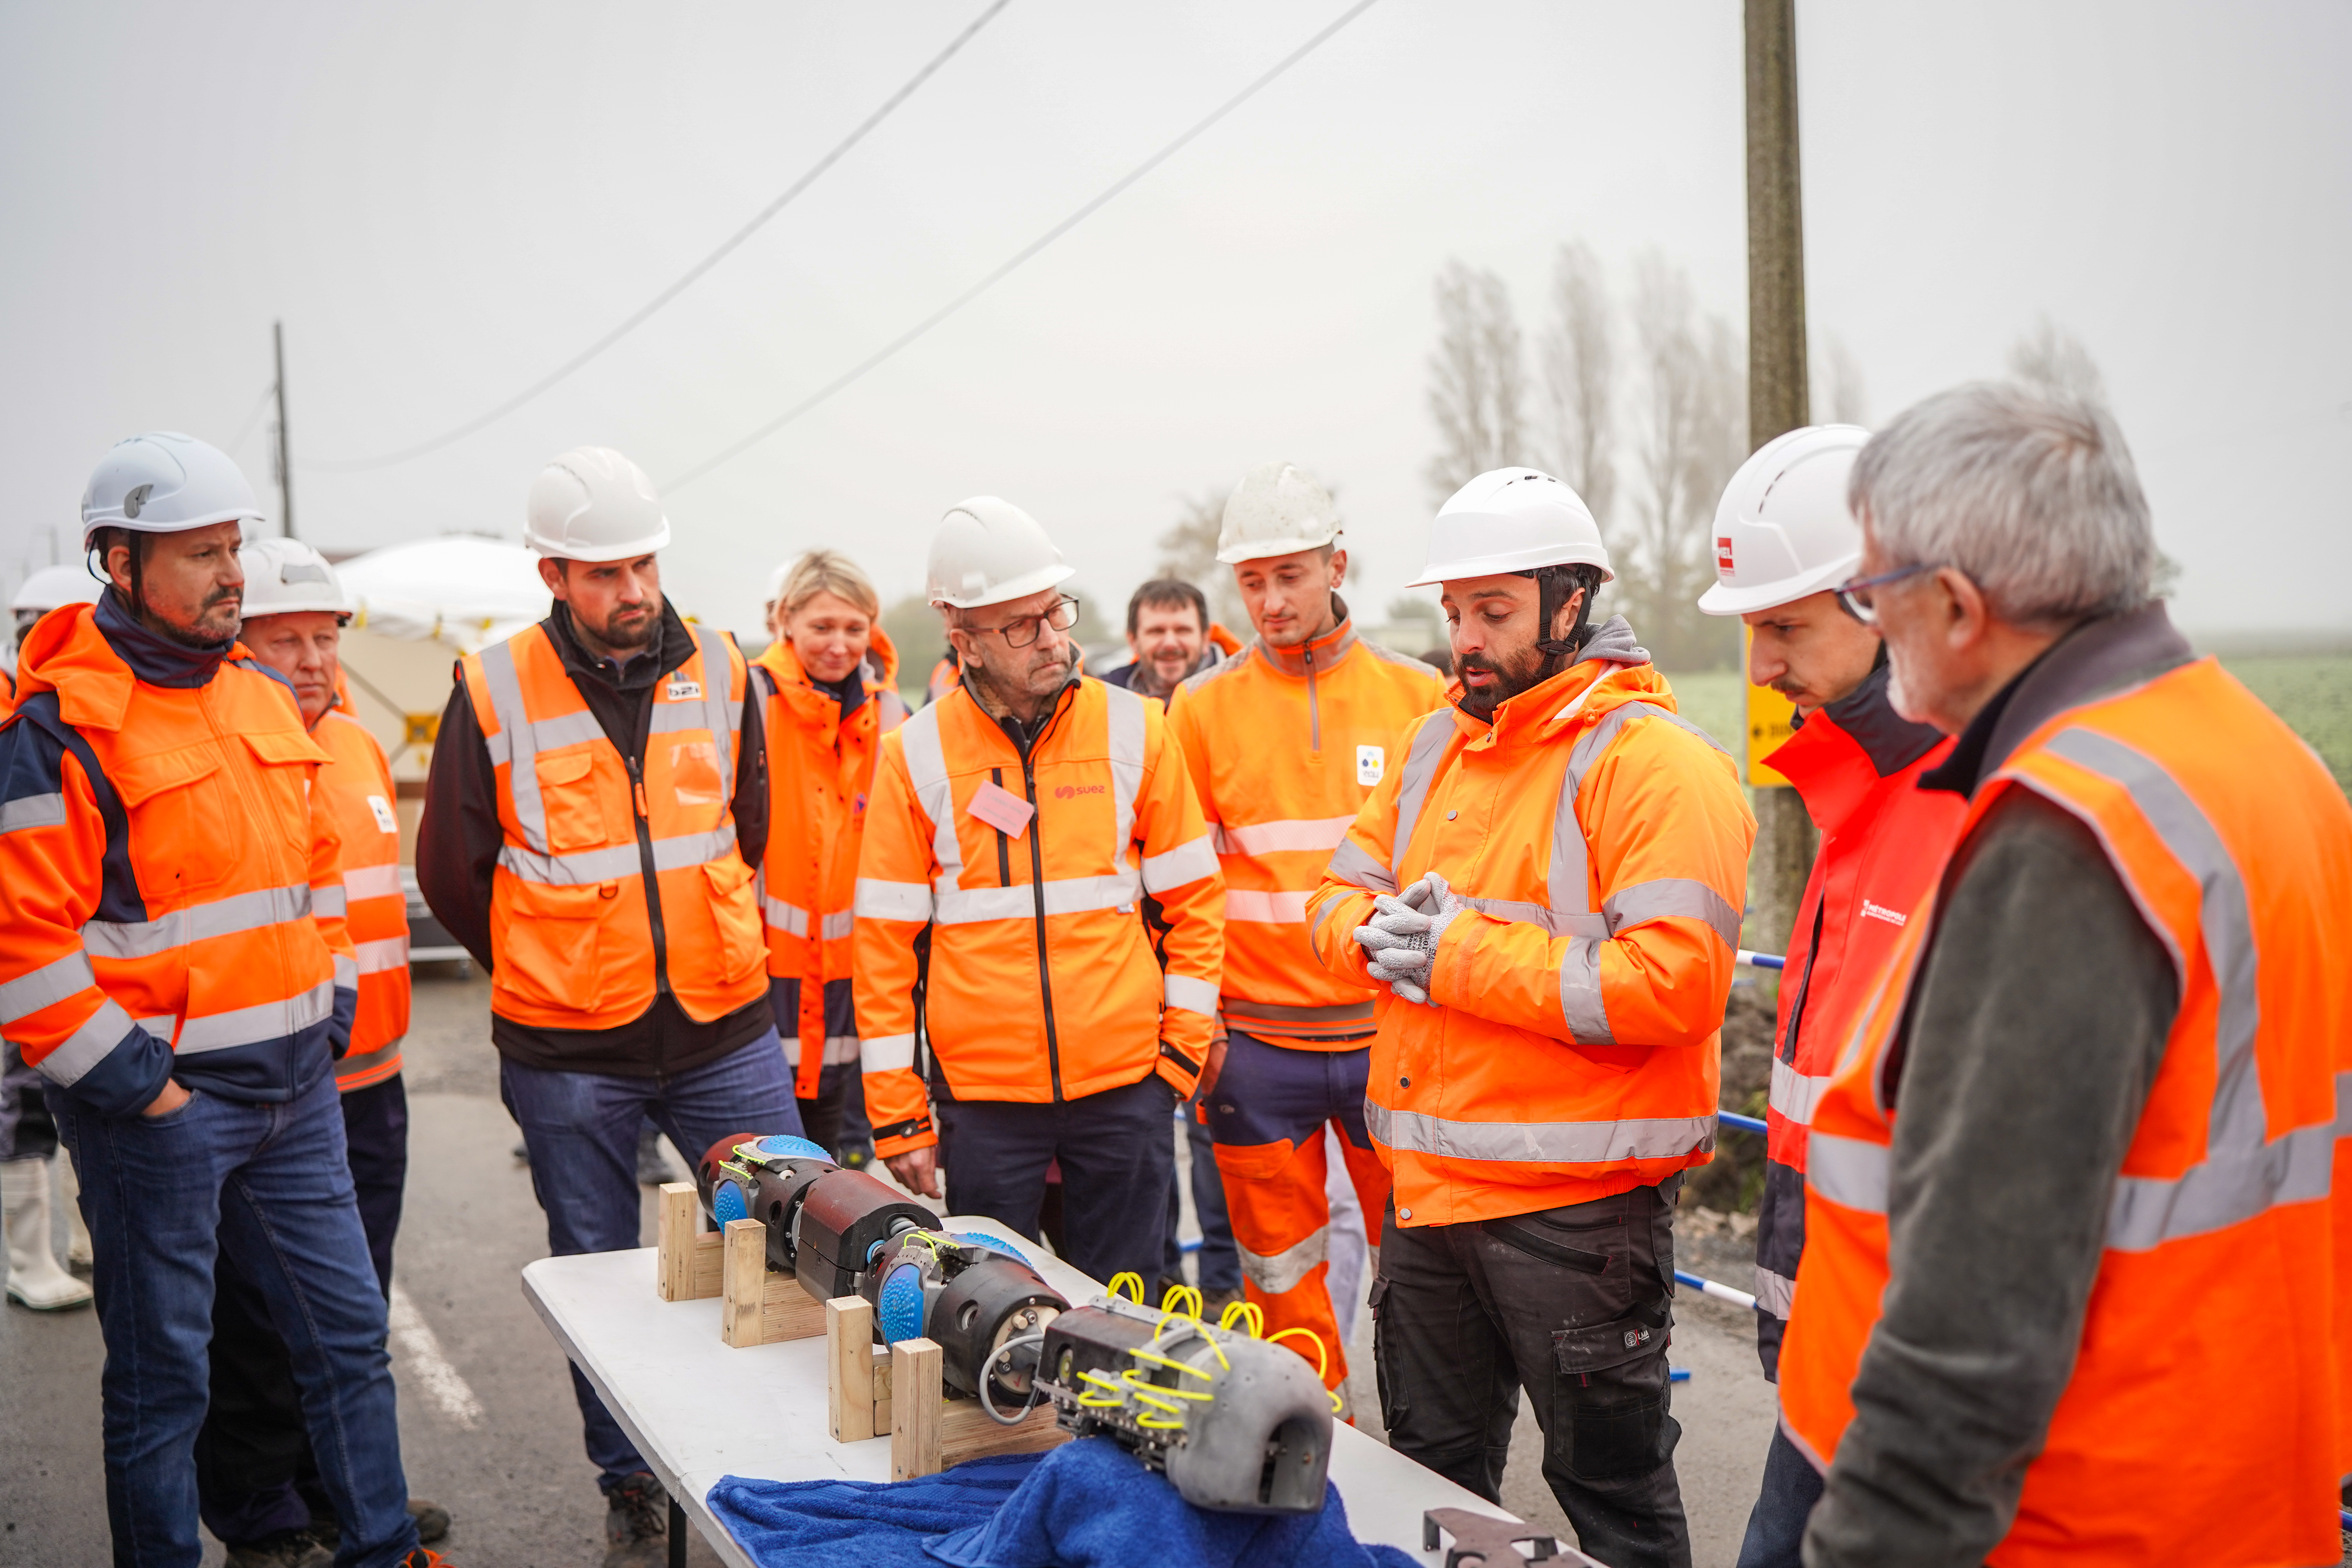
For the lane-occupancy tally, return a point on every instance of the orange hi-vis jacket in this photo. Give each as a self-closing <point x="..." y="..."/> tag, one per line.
<point x="1042" y="983"/>
<point x="357" y="787"/>
<point x="170" y="880"/>
<point x="2230" y="1233"/>
<point x="1572" y="1051"/>
<point x="1285" y="745"/>
<point x="820" y="769"/>
<point x="581" y="940"/>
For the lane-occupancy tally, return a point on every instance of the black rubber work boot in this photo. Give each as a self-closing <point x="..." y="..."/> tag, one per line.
<point x="282" y="1549"/>
<point x="636" y="1511"/>
<point x="432" y="1523"/>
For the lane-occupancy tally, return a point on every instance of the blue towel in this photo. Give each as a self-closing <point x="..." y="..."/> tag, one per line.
<point x="1084" y="1505"/>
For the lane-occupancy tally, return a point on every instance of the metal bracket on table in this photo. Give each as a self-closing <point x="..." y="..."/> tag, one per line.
<point x="1491" y="1542"/>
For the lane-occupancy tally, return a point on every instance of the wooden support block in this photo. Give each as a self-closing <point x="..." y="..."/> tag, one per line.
<point x="916" y="1402"/>
<point x="744" y="1299"/>
<point x="966" y="1432"/>
<point x="690" y="1256"/>
<point x="881" y="1388"/>
<point x="789" y="1312"/>
<point x="849" y="1381"/>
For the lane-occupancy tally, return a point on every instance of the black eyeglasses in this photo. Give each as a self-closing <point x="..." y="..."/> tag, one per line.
<point x="1026" y="631"/>
<point x="1855" y="592"/>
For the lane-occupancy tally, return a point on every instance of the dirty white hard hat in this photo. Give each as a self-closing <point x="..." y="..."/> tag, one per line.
<point x="1512" y="520"/>
<point x="990" y="552"/>
<point x="165" y="482"/>
<point x="1783" y="531"/>
<point x="1277" y="509"/>
<point x="53" y="587"/>
<point x="285" y="576"/>
<point x="593" y="504"/>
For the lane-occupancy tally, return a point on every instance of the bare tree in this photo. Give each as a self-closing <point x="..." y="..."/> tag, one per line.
<point x="1579" y="357"/>
<point x="1478" y="386"/>
<point x="1188" y="551"/>
<point x="2054" y="359"/>
<point x="1839" y="398"/>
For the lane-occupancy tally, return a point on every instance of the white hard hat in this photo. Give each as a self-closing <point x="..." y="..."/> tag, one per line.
<point x="1512" y="520"/>
<point x="776" y="580"/>
<point x="283" y="576"/>
<point x="1277" y="509"/>
<point x="165" y="482"/>
<point x="52" y="588"/>
<point x="593" y="504"/>
<point x="1782" y="529"/>
<point x="988" y="551"/>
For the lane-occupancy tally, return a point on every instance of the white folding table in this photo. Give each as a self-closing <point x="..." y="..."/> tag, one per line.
<point x="698" y="1409"/>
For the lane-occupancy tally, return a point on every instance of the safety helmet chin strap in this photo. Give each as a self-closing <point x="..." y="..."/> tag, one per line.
<point x="1554" y="585"/>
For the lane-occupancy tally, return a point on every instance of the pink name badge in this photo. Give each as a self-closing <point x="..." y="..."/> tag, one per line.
<point x="1002" y="809"/>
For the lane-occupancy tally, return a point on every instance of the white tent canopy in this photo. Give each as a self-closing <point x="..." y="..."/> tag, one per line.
<point x="464" y="590"/>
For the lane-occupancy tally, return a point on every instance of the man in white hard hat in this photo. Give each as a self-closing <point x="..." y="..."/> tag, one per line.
<point x="597" y="801"/>
<point x="1034" y="834"/>
<point x="50" y="588"/>
<point x="1286" y="741"/>
<point x="1549" y="883"/>
<point x="1784" y="542"/>
<point x="173" y="960"/>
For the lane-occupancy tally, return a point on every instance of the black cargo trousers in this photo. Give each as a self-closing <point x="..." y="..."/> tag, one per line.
<point x="1571" y="1304"/>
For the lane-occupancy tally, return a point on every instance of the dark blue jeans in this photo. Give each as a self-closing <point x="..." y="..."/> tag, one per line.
<point x="581" y="1130"/>
<point x="269" y="1186"/>
<point x="1775" y="1529"/>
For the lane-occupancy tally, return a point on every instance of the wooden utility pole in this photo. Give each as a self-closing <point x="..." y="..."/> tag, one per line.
<point x="1777" y="402"/>
<point x="284" y="459"/>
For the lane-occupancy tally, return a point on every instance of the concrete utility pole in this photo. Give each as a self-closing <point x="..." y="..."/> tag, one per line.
<point x="285" y="459"/>
<point x="1777" y="403"/>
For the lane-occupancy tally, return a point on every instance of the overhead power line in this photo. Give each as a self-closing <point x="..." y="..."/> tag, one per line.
<point x="1023" y="255"/>
<point x="638" y="317"/>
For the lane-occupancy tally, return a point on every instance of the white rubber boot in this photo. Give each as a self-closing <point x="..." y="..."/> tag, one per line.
<point x="79" y="1257"/>
<point x="34" y="1276"/>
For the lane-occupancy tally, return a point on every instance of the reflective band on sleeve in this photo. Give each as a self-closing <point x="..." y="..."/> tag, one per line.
<point x="1192" y="995"/>
<point x="1279" y="837"/>
<point x="68" y="975"/>
<point x="838" y="1049"/>
<point x="1552" y="923"/>
<point x="223" y="917"/>
<point x="347" y="972"/>
<point x="790" y="919"/>
<point x="1794" y="1094"/>
<point x="889" y="1053"/>
<point x="1180" y="867"/>
<point x="1666" y="897"/>
<point x="1848" y="1172"/>
<point x="329" y="903"/>
<point x="1284" y="1271"/>
<point x="1566" y="881"/>
<point x="1124" y="714"/>
<point x="374" y="882"/>
<point x="1065" y="895"/>
<point x="1581" y="1002"/>
<point x="1412" y="786"/>
<point x="1540" y="1142"/>
<point x="880" y="901"/>
<point x="1775" y="1293"/>
<point x="1350" y="863"/>
<point x="383" y="953"/>
<point x="33" y="810"/>
<point x="87" y="1045"/>
<point x="838" y="924"/>
<point x="1254" y="907"/>
<point x="926" y="774"/>
<point x="253" y="1025"/>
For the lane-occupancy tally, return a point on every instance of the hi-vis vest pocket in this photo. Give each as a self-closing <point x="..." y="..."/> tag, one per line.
<point x="735" y="910"/>
<point x="186" y="831"/>
<point x="572" y="796"/>
<point x="546" y="952"/>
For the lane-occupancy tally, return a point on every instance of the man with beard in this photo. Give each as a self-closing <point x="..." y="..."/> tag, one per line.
<point x="598" y="799"/>
<point x="1037" y="893"/>
<point x="1550" y="885"/>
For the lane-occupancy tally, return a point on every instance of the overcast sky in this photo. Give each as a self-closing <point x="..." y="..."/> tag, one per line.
<point x="444" y="201"/>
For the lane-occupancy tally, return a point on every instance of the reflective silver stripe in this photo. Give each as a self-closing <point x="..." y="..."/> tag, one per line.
<point x="1252" y="906"/>
<point x="364" y="1061"/>
<point x="253" y="1025"/>
<point x="1286" y="1270"/>
<point x="1553" y="923"/>
<point x="1192" y="995"/>
<point x="347" y="974"/>
<point x="505" y="687"/>
<point x="1581" y="1005"/>
<point x="889" y="711"/>
<point x="223" y="917"/>
<point x="838" y="924"/>
<point x="2227" y="1188"/>
<point x="1665" y="897"/>
<point x="374" y="882"/>
<point x="33" y="810"/>
<point x="1794" y="1094"/>
<point x="1775" y="1293"/>
<point x="722" y="711"/>
<point x="61" y="977"/>
<point x="1275" y="1013"/>
<point x="1180" y="867"/>
<point x="670" y="718"/>
<point x="520" y="746"/>
<point x="1280" y="837"/>
<point x="383" y="953"/>
<point x="1848" y="1172"/>
<point x="1540" y="1142"/>
<point x="1124" y="715"/>
<point x="889" y="1053"/>
<point x="927" y="773"/>
<point x="1065" y="895"/>
<point x="330" y="903"/>
<point x="838" y="1049"/>
<point x="1566" y="881"/>
<point x="1412" y="784"/>
<point x="87" y="1045"/>
<point x="790" y="919"/>
<point x="1351" y="863"/>
<point x="577" y="869"/>
<point x="880" y="901"/>
<point x="682" y="850"/>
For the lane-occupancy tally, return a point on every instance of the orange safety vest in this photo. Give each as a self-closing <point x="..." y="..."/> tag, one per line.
<point x="2228" y="1234"/>
<point x="820" y="768"/>
<point x="570" y="917"/>
<point x="1285" y="745"/>
<point x="1043" y="983"/>
<point x="1601" y="843"/>
<point x="357" y="787"/>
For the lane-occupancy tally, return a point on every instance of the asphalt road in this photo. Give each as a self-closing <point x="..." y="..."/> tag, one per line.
<point x="487" y="1425"/>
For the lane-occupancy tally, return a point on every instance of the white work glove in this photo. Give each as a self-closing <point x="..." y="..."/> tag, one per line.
<point x="1402" y="939"/>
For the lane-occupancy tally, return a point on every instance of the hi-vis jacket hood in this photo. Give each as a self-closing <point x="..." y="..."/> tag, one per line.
<point x="1601" y="842"/>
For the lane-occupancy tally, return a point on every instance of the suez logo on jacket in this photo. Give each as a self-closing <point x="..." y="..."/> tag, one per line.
<point x="1071" y="792"/>
<point x="1871" y="912"/>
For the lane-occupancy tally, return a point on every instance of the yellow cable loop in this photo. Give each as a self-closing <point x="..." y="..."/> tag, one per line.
<point x="1130" y="1279"/>
<point x="1322" y="1357"/>
<point x="1251" y="1314"/>
<point x="1338" y="1406"/>
<point x="1118" y="1399"/>
<point x="1151" y="1355"/>
<point x="1173" y="1301"/>
<point x="1215" y="1349"/>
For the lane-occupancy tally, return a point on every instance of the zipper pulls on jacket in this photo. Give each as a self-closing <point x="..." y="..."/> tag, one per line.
<point x="638" y="790"/>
